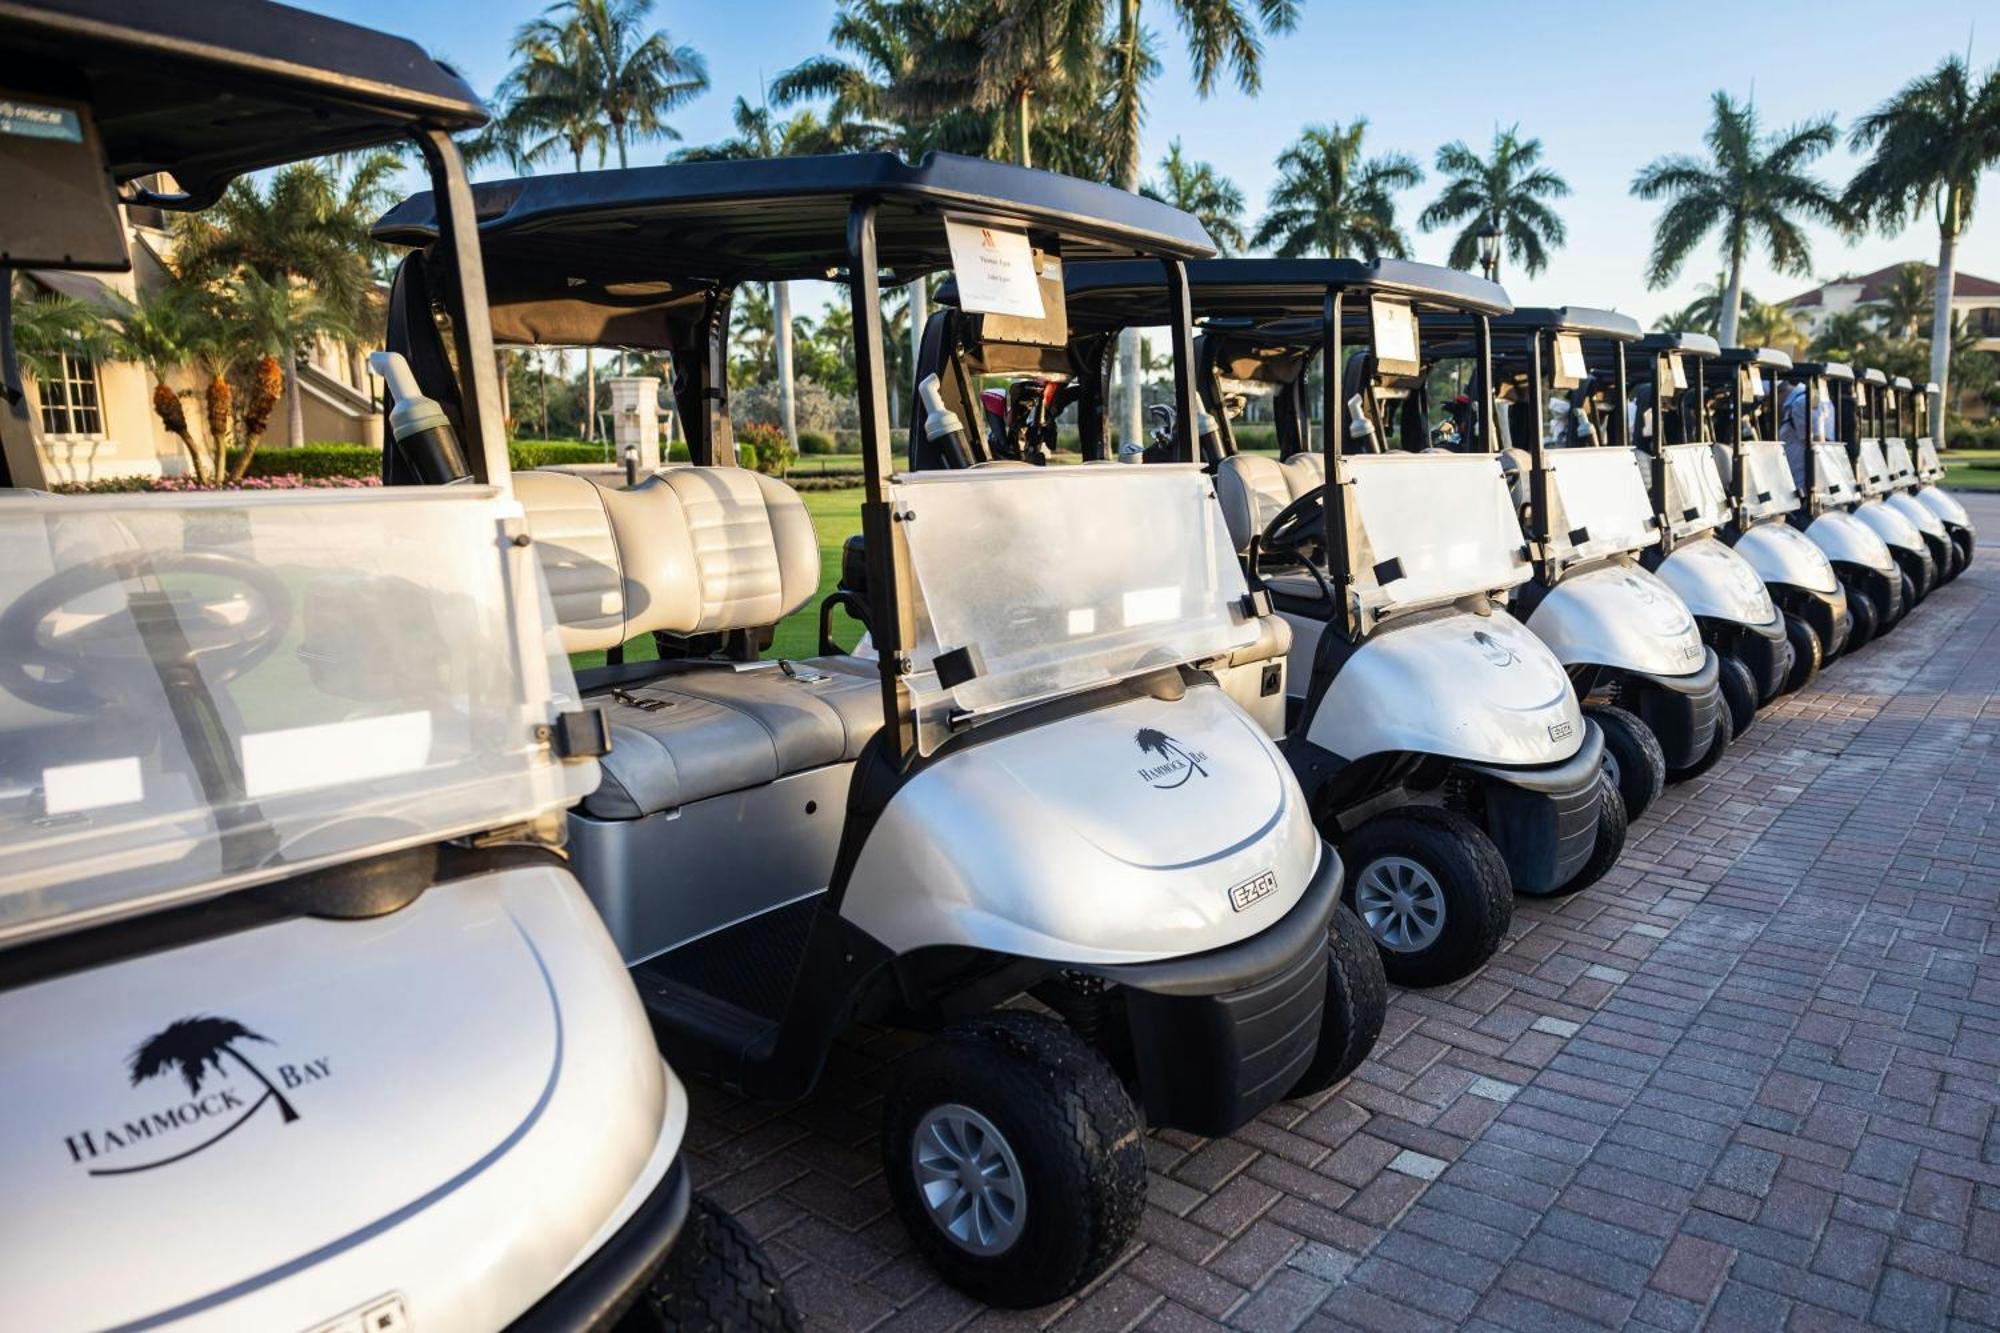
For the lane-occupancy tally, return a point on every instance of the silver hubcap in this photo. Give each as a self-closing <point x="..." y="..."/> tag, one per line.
<point x="969" y="1179"/>
<point x="1402" y="902"/>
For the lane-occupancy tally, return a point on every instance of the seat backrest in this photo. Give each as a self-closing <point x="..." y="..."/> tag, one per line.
<point x="1252" y="489"/>
<point x="1305" y="470"/>
<point x="688" y="551"/>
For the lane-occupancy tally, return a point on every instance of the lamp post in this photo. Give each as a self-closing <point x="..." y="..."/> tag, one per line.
<point x="1489" y="250"/>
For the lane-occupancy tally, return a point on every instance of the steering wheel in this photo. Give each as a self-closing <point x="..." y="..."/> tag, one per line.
<point x="94" y="662"/>
<point x="1297" y="526"/>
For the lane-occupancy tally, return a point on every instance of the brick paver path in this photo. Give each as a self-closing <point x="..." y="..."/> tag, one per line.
<point x="1749" y="1081"/>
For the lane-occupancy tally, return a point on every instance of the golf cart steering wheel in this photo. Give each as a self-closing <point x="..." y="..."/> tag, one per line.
<point x="94" y="663"/>
<point x="1298" y="526"/>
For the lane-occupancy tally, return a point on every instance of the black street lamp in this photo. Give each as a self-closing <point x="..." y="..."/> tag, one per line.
<point x="1489" y="250"/>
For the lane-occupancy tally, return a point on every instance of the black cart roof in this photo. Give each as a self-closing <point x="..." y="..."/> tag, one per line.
<point x="1687" y="344"/>
<point x="1118" y="295"/>
<point x="1833" y="370"/>
<point x="211" y="89"/>
<point x="1572" y="319"/>
<point x="702" y="223"/>
<point x="1767" y="358"/>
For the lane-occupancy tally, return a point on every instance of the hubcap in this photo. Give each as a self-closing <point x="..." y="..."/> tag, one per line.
<point x="969" y="1179"/>
<point x="1402" y="903"/>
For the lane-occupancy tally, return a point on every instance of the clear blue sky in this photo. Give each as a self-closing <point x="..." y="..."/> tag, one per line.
<point x="1605" y="87"/>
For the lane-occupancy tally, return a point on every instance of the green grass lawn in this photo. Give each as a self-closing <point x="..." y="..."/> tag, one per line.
<point x="1973" y="469"/>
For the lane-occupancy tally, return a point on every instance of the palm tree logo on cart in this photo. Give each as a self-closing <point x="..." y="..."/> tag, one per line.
<point x="1177" y="763"/>
<point x="195" y="1048"/>
<point x="1498" y="653"/>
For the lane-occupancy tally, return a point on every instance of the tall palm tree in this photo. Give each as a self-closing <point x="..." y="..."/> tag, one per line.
<point x="1905" y="300"/>
<point x="1329" y="200"/>
<point x="1015" y="52"/>
<point x="1510" y="191"/>
<point x="162" y="331"/>
<point x="601" y="52"/>
<point x="1930" y="144"/>
<point x="1752" y="186"/>
<point x="193" y="1046"/>
<point x="1772" y="325"/>
<point x="1198" y="188"/>
<point x="546" y="104"/>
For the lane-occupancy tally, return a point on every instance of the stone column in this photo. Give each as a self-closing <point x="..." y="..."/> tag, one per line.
<point x="635" y="417"/>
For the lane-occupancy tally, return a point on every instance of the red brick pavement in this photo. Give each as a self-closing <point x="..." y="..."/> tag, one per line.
<point x="1748" y="1081"/>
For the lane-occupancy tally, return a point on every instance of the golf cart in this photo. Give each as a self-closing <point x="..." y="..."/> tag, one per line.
<point x="1028" y="784"/>
<point x="292" y="978"/>
<point x="1436" y="738"/>
<point x="1631" y="646"/>
<point x="1913" y="422"/>
<point x="1857" y="405"/>
<point x="1738" y="619"/>
<point x="1742" y="406"/>
<point x="1878" y="589"/>
<point x="1885" y="423"/>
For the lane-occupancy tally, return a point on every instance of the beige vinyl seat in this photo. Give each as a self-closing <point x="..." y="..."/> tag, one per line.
<point x="1253" y="489"/>
<point x="694" y="551"/>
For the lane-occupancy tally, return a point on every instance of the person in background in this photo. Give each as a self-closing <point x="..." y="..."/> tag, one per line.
<point x="1792" y="428"/>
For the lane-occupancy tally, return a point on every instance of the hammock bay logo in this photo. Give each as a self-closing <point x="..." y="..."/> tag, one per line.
<point x="1177" y="764"/>
<point x="225" y="1088"/>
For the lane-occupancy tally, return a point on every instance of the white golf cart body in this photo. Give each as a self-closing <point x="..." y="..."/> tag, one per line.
<point x="1783" y="556"/>
<point x="1934" y="497"/>
<point x="1903" y="497"/>
<point x="1843" y="537"/>
<point x="1894" y="528"/>
<point x="1706" y="573"/>
<point x="402" y="1086"/>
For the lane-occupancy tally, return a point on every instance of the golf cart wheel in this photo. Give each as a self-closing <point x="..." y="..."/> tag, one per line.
<point x="1863" y="620"/>
<point x="1633" y="755"/>
<point x="1909" y="600"/>
<point x="1962" y="539"/>
<point x="1955" y="560"/>
<point x="1432" y="890"/>
<point x="715" y="1280"/>
<point x="1808" y="654"/>
<point x="1357" y="1000"/>
<point x="1014" y="1156"/>
<point x="1610" y="844"/>
<point x="1725" y="732"/>
<point x="1739" y="692"/>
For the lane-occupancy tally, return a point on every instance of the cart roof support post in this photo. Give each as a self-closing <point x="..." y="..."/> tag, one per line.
<point x="1332" y="432"/>
<point x="20" y="460"/>
<point x="471" y="327"/>
<point x="1186" y="403"/>
<point x="1538" y="474"/>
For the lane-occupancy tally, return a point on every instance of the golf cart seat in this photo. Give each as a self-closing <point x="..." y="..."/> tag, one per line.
<point x="694" y="551"/>
<point x="1254" y="488"/>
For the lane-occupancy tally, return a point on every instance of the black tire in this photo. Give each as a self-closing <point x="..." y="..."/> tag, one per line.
<point x="717" y="1279"/>
<point x="1357" y="1000"/>
<point x="1962" y="539"/>
<point x="1954" y="558"/>
<point x="1638" y="764"/>
<point x="1863" y="619"/>
<point x="1072" y="1130"/>
<point x="1610" y="844"/>
<point x="1918" y="571"/>
<point x="1909" y="596"/>
<point x="1725" y="732"/>
<point x="1469" y="878"/>
<point x="1808" y="654"/>
<point x="1739" y="691"/>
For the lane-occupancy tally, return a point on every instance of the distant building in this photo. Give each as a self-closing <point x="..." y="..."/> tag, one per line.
<point x="97" y="419"/>
<point x="1975" y="300"/>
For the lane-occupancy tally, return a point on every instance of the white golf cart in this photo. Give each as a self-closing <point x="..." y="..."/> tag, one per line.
<point x="1878" y="586"/>
<point x="1031" y="783"/>
<point x="1884" y="418"/>
<point x="304" y="1024"/>
<point x="1914" y="409"/>
<point x="1858" y="404"/>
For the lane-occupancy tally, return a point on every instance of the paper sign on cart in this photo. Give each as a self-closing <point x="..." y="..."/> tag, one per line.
<point x="995" y="269"/>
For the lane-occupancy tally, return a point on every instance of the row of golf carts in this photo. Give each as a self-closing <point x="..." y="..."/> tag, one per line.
<point x="344" y="923"/>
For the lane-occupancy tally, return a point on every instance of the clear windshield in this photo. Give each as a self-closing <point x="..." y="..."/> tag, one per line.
<point x="1902" y="471"/>
<point x="1834" y="474"/>
<point x="1431" y="528"/>
<point x="1060" y="579"/>
<point x="1696" y="499"/>
<point x="1873" y="470"/>
<point x="1598" y="503"/>
<point x="1767" y="488"/>
<point x="1928" y="466"/>
<point x="203" y="692"/>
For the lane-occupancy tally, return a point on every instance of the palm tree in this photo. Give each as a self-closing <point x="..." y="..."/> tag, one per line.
<point x="269" y="318"/>
<point x="1329" y="200"/>
<point x="1008" y="53"/>
<point x="1508" y="191"/>
<point x="48" y="326"/>
<point x="546" y="103"/>
<point x="1905" y="300"/>
<point x="1931" y="143"/>
<point x="164" y="330"/>
<point x="1772" y="325"/>
<point x="597" y="53"/>
<point x="1198" y="188"/>
<point x="193" y="1046"/>
<point x="1750" y="185"/>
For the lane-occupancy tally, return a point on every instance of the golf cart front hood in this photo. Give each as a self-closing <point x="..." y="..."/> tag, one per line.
<point x="1717" y="583"/>
<point x="1785" y="557"/>
<point x="1920" y="515"/>
<point x="1621" y="616"/>
<point x="1148" y="829"/>
<point x="289" y="1125"/>
<point x="1892" y="527"/>
<point x="1848" y="541"/>
<point x="1946" y="506"/>
<point x="1465" y="686"/>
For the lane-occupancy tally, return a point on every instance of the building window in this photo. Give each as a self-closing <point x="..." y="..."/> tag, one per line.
<point x="1984" y="322"/>
<point x="69" y="400"/>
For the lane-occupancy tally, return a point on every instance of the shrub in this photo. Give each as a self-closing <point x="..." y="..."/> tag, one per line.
<point x="526" y="455"/>
<point x="355" y="461"/>
<point x="815" y="442"/>
<point x="177" y="485"/>
<point x="768" y="449"/>
<point x="813" y="408"/>
<point x="1963" y="434"/>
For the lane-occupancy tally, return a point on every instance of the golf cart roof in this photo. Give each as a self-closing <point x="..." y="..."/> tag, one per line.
<point x="696" y="225"/>
<point x="1687" y="344"/>
<point x="1573" y="319"/>
<point x="1832" y="370"/>
<point x="1873" y="376"/>
<point x="1117" y="295"/>
<point x="213" y="90"/>
<point x="1902" y="382"/>
<point x="1769" y="358"/>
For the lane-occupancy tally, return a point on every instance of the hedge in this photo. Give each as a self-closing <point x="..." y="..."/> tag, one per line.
<point x="358" y="460"/>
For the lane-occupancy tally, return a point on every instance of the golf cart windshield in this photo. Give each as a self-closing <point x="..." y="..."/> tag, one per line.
<point x="1902" y="472"/>
<point x="1598" y="504"/>
<point x="1697" y="501"/>
<point x="1432" y="528"/>
<point x="1833" y="474"/>
<point x="1874" y="468"/>
<point x="1768" y="489"/>
<point x="1929" y="469"/>
<point x="1033" y="575"/>
<point x="229" y="688"/>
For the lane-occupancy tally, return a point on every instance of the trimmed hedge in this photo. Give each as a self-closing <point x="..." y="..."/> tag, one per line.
<point x="316" y="460"/>
<point x="815" y="442"/>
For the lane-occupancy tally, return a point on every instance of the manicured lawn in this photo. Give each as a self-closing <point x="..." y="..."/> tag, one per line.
<point x="1973" y="469"/>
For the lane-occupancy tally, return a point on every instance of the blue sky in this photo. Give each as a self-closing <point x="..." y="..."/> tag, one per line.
<point x="1605" y="87"/>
